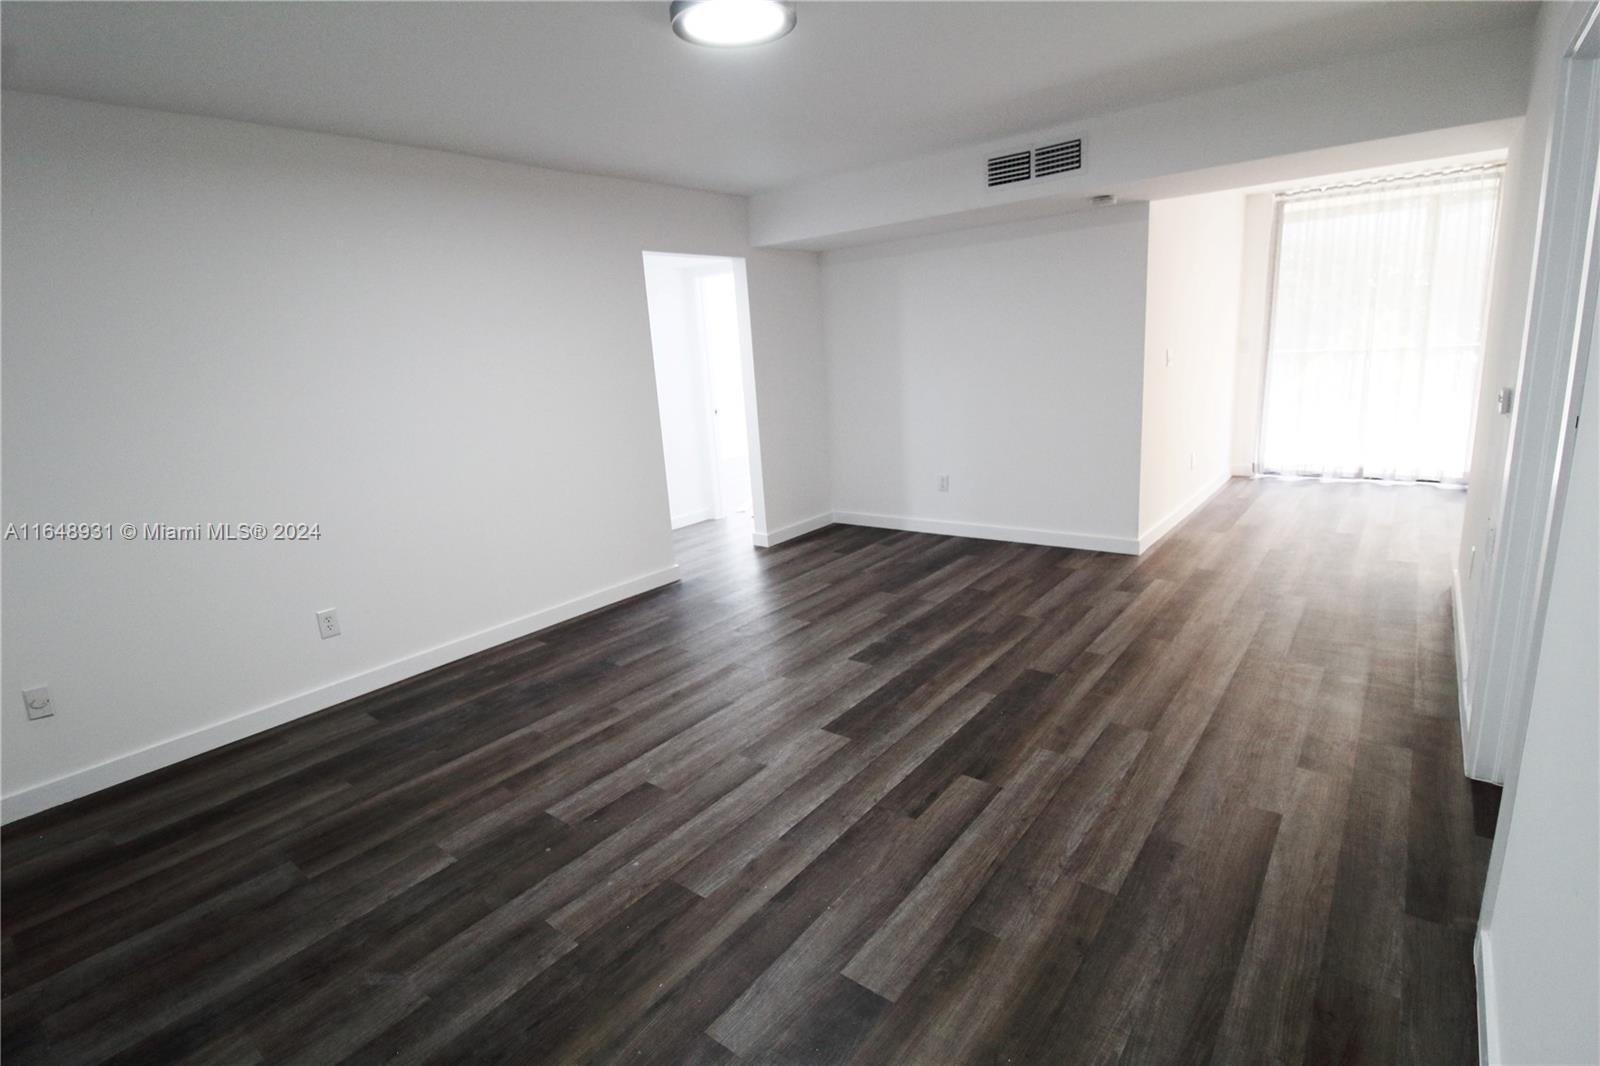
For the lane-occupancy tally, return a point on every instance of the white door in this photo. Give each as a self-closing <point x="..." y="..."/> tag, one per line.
<point x="719" y="318"/>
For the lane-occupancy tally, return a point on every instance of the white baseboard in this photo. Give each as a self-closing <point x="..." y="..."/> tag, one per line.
<point x="1488" y="1015"/>
<point x="690" y="518"/>
<point x="1170" y="521"/>
<point x="122" y="768"/>
<point x="1247" y="470"/>
<point x="1049" y="537"/>
<point x="771" y="538"/>
<point x="1457" y="624"/>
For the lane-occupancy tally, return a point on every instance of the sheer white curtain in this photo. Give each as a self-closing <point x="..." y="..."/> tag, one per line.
<point x="1377" y="328"/>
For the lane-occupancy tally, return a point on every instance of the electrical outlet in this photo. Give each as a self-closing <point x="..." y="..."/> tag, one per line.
<point x="328" y="623"/>
<point x="1169" y="356"/>
<point x="37" y="700"/>
<point x="944" y="482"/>
<point x="1191" y="460"/>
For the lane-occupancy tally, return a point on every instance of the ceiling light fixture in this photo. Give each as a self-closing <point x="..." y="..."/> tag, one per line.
<point x="731" y="23"/>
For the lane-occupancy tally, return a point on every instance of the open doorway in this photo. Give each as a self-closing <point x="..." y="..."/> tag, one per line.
<point x="698" y="336"/>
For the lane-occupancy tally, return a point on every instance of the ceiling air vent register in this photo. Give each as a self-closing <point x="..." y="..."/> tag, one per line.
<point x="1057" y="158"/>
<point x="1025" y="164"/>
<point x="1010" y="167"/>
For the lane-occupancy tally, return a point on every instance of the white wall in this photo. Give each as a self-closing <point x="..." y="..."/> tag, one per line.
<point x="1255" y="321"/>
<point x="1542" y="934"/>
<point x="444" y="361"/>
<point x="790" y="402"/>
<point x="1508" y="305"/>
<point x="1395" y="103"/>
<point x="1190" y="348"/>
<point x="1006" y="357"/>
<point x="681" y="390"/>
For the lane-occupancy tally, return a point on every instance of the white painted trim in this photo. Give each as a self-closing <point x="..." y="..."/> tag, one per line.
<point x="752" y="409"/>
<point x="1463" y="646"/>
<point x="772" y="538"/>
<point x="1048" y="537"/>
<point x="1488" y="1014"/>
<point x="1248" y="470"/>
<point x="690" y="518"/>
<point x="1553" y="364"/>
<point x="122" y="768"/>
<point x="1188" y="507"/>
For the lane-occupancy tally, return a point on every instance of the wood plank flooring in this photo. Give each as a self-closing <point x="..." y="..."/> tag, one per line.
<point x="868" y="797"/>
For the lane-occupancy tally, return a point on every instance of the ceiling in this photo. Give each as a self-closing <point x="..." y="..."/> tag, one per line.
<point x="606" y="88"/>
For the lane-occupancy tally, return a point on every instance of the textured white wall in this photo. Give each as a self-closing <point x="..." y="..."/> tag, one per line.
<point x="1544" y="929"/>
<point x="790" y="404"/>
<point x="1192" y="313"/>
<point x="445" y="361"/>
<point x="1508" y="302"/>
<point x="1009" y="358"/>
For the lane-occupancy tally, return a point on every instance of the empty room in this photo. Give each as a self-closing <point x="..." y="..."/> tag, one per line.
<point x="817" y="532"/>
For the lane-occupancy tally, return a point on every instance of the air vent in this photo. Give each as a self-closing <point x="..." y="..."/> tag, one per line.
<point x="1055" y="159"/>
<point x="1011" y="167"/>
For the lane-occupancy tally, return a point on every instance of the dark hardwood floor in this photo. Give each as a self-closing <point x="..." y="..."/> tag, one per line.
<point x="868" y="797"/>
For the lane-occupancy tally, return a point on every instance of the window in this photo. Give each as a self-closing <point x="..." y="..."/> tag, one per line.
<point x="1377" y="327"/>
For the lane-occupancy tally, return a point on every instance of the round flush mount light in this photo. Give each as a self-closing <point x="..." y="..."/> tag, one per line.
<point x="731" y="23"/>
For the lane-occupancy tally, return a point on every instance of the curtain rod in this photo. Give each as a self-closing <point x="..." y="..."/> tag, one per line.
<point x="1394" y="179"/>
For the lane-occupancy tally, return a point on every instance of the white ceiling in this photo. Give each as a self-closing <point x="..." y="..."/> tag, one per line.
<point x="607" y="88"/>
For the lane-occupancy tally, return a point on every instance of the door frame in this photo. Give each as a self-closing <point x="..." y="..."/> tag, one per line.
<point x="692" y="263"/>
<point x="1557" y="342"/>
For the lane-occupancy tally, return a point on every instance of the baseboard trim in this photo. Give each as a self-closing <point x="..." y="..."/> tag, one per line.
<point x="115" y="771"/>
<point x="705" y="514"/>
<point x="1488" y="1017"/>
<point x="1463" y="694"/>
<point x="1173" y="518"/>
<point x="771" y="538"/>
<point x="1048" y="537"/>
<point x="1248" y="470"/>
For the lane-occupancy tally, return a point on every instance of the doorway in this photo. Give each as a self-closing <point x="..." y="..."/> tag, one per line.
<point x="699" y="341"/>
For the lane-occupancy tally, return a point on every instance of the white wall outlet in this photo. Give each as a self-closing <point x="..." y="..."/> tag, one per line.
<point x="1191" y="460"/>
<point x="944" y="482"/>
<point x="1169" y="356"/>
<point x="328" y="623"/>
<point x="37" y="700"/>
